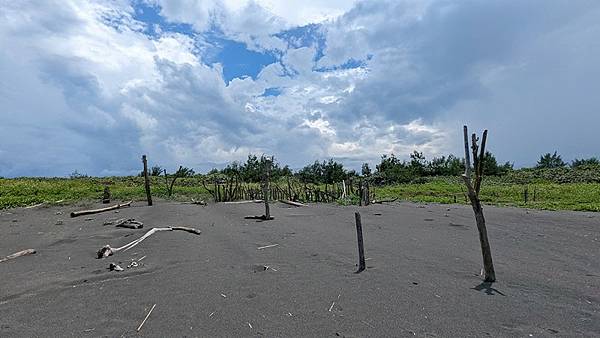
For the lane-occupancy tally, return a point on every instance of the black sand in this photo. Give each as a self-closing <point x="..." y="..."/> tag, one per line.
<point x="422" y="276"/>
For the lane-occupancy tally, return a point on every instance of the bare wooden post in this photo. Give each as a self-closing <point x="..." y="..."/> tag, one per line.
<point x="361" y="248"/>
<point x="147" y="180"/>
<point x="473" y="187"/>
<point x="265" y="186"/>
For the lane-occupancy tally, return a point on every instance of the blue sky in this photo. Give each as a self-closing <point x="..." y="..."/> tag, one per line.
<point x="90" y="86"/>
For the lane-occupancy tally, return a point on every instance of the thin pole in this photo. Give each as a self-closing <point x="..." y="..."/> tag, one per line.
<point x="361" y="248"/>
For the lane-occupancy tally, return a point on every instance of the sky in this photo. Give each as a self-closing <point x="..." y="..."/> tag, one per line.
<point x="90" y="86"/>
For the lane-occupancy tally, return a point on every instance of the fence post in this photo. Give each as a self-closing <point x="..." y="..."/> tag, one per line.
<point x="147" y="180"/>
<point x="361" y="248"/>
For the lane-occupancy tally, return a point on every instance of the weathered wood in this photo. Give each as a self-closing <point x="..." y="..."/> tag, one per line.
<point x="95" y="211"/>
<point x="244" y="202"/>
<point x="296" y="204"/>
<point x="18" y="254"/>
<point x="361" y="248"/>
<point x="147" y="180"/>
<point x="107" y="250"/>
<point x="260" y="217"/>
<point x="384" y="201"/>
<point x="266" y="178"/>
<point x="473" y="194"/>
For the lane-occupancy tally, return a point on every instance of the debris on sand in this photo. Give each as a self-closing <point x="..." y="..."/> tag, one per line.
<point x="261" y="217"/>
<point x="18" y="254"/>
<point x="129" y="223"/>
<point x="115" y="267"/>
<point x="200" y="202"/>
<point x="267" y="246"/>
<point x="244" y="202"/>
<point x="34" y="206"/>
<point x="95" y="211"/>
<point x="107" y="250"/>
<point x="148" y="315"/>
<point x="293" y="203"/>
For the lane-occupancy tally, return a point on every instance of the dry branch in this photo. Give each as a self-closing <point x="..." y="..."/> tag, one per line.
<point x="95" y="211"/>
<point x="18" y="254"/>
<point x="107" y="250"/>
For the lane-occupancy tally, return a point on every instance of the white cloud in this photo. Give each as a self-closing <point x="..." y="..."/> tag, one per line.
<point x="85" y="89"/>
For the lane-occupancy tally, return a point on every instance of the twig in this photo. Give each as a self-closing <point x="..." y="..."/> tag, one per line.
<point x="331" y="307"/>
<point x="148" y="315"/>
<point x="267" y="246"/>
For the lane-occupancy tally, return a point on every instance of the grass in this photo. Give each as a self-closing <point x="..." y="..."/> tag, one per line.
<point x="549" y="196"/>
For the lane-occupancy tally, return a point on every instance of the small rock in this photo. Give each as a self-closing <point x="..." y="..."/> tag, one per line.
<point x="58" y="213"/>
<point x="89" y="219"/>
<point x="59" y="222"/>
<point x="15" y="220"/>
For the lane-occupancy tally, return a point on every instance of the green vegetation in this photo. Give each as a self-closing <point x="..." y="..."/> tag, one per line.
<point x="551" y="185"/>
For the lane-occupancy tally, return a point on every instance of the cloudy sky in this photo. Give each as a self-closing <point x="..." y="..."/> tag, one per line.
<point x="92" y="85"/>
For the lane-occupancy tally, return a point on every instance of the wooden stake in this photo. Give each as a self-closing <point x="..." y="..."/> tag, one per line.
<point x="147" y="180"/>
<point x="361" y="248"/>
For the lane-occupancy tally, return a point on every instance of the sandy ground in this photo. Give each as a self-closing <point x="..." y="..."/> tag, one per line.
<point x="422" y="278"/>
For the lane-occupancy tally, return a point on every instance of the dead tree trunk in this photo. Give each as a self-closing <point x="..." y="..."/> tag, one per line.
<point x="473" y="187"/>
<point x="147" y="180"/>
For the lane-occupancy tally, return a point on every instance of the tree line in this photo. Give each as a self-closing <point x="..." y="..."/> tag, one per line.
<point x="390" y="169"/>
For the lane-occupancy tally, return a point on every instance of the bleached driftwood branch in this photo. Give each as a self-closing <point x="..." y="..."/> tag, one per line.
<point x="18" y="254"/>
<point x="95" y="211"/>
<point x="107" y="250"/>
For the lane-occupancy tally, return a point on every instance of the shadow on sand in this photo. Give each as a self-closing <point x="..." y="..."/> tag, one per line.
<point x="488" y="289"/>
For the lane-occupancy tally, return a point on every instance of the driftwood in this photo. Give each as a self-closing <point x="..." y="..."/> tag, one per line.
<point x="384" y="201"/>
<point x="473" y="187"/>
<point x="296" y="204"/>
<point x="18" y="254"/>
<point x="129" y="223"/>
<point x="107" y="250"/>
<point x="261" y="217"/>
<point x="34" y="206"/>
<point x="244" y="202"/>
<point x="95" y="211"/>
